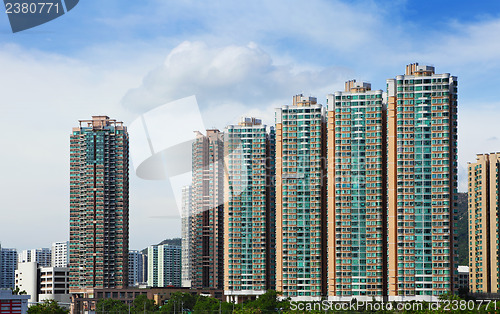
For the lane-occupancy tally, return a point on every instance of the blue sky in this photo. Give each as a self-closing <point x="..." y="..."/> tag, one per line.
<point x="124" y="58"/>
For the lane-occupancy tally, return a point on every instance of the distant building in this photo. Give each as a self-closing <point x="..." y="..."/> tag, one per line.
<point x="10" y="304"/>
<point x="24" y="256"/>
<point x="54" y="285"/>
<point x="137" y="264"/>
<point x="43" y="283"/>
<point x="483" y="198"/>
<point x="186" y="236"/>
<point x="164" y="265"/>
<point x="27" y="279"/>
<point x="60" y="254"/>
<point x="8" y="265"/>
<point x="463" y="277"/>
<point x="42" y="256"/>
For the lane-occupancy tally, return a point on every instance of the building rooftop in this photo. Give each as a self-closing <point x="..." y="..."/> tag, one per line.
<point x="463" y="269"/>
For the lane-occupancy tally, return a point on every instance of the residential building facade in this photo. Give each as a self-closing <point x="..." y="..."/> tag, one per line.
<point x="301" y="261"/>
<point x="60" y="254"/>
<point x="484" y="233"/>
<point x="54" y="285"/>
<point x="136" y="267"/>
<point x="99" y="205"/>
<point x="42" y="256"/>
<point x="27" y="279"/>
<point x="186" y="236"/>
<point x="463" y="277"/>
<point x="8" y="265"/>
<point x="207" y="211"/>
<point x="43" y="283"/>
<point x="164" y="265"/>
<point x="249" y="212"/>
<point x="356" y="193"/>
<point x="422" y="183"/>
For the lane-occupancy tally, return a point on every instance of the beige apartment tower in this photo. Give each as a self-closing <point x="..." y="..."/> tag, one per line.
<point x="483" y="196"/>
<point x="301" y="261"/>
<point x="356" y="194"/>
<point x="422" y="183"/>
<point x="249" y="210"/>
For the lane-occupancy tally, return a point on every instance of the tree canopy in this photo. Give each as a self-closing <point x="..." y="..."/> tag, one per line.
<point x="47" y="306"/>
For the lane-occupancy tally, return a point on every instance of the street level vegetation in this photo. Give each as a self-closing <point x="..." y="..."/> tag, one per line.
<point x="273" y="302"/>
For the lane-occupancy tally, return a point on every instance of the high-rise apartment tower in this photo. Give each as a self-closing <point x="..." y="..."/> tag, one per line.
<point x="186" y="235"/>
<point x="484" y="233"/>
<point x="356" y="193"/>
<point x="422" y="183"/>
<point x="249" y="212"/>
<point x="207" y="232"/>
<point x="301" y="261"/>
<point x="99" y="205"/>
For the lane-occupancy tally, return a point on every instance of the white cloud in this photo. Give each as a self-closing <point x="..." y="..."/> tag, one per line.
<point x="43" y="97"/>
<point x="228" y="81"/>
<point x="478" y="134"/>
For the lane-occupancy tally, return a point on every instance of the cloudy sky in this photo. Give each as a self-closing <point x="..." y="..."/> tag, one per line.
<point x="123" y="59"/>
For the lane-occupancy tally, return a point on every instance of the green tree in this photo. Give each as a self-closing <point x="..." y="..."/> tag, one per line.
<point x="111" y="306"/>
<point x="206" y="305"/>
<point x="269" y="302"/>
<point x="17" y="291"/>
<point x="143" y="304"/>
<point x="179" y="300"/>
<point x="48" y="306"/>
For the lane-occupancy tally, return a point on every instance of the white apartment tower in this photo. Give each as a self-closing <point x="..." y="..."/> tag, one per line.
<point x="43" y="256"/>
<point x="164" y="265"/>
<point x="60" y="254"/>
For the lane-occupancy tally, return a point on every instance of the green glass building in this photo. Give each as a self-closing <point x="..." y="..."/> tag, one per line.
<point x="301" y="260"/>
<point x="356" y="193"/>
<point x="249" y="211"/>
<point x="422" y="183"/>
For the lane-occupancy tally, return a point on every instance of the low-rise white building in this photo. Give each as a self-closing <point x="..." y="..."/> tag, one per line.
<point x="27" y="279"/>
<point x="54" y="284"/>
<point x="44" y="283"/>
